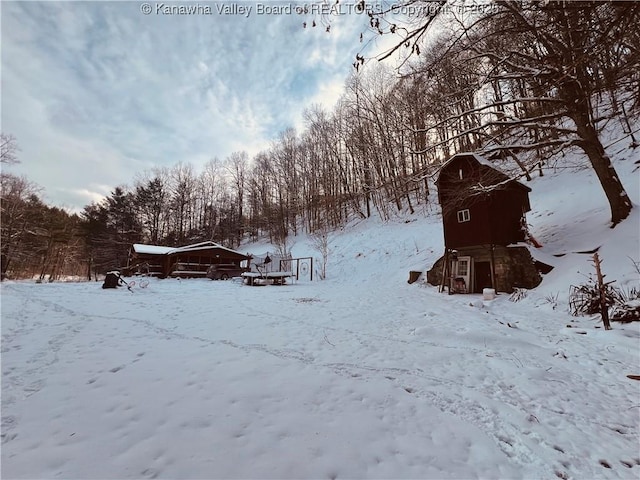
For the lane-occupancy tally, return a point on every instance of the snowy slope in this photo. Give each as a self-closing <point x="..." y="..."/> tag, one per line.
<point x="358" y="376"/>
<point x="570" y="214"/>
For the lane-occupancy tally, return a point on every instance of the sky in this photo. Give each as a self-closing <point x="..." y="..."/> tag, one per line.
<point x="97" y="92"/>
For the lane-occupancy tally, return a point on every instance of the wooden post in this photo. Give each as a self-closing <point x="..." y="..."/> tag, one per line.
<point x="604" y="308"/>
<point x="445" y="270"/>
<point x="453" y="271"/>
<point x="493" y="268"/>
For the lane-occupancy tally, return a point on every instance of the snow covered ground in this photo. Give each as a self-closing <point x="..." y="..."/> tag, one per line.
<point x="358" y="376"/>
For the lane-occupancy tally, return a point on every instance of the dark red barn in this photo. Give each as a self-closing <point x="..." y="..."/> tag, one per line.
<point x="483" y="215"/>
<point x="187" y="261"/>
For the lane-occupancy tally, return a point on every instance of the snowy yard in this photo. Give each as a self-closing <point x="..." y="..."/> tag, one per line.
<point x="201" y="379"/>
<point x="186" y="122"/>
<point x="357" y="376"/>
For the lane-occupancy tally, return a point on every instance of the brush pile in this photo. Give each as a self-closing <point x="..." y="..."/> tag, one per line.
<point x="623" y="305"/>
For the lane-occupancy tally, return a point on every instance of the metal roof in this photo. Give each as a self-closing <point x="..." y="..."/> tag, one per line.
<point x="160" y="250"/>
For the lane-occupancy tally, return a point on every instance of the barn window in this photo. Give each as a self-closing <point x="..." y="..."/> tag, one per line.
<point x="460" y="173"/>
<point x="463" y="215"/>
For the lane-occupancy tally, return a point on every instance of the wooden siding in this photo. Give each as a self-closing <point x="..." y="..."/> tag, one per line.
<point x="496" y="204"/>
<point x="463" y="234"/>
<point x="507" y="208"/>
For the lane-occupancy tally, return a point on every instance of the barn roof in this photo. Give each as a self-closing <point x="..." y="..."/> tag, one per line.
<point x="479" y="158"/>
<point x="499" y="176"/>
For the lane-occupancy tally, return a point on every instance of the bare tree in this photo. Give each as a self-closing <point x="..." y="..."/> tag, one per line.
<point x="320" y="241"/>
<point x="548" y="86"/>
<point x="211" y="186"/>
<point x="8" y="149"/>
<point x="182" y="181"/>
<point x="16" y="196"/>
<point x="237" y="165"/>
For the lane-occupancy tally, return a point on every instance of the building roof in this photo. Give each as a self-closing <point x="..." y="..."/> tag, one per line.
<point x="159" y="250"/>
<point x="500" y="177"/>
<point x="151" y="249"/>
<point x="479" y="158"/>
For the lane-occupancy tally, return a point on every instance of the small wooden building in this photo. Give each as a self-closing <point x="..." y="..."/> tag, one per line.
<point x="483" y="215"/>
<point x="186" y="261"/>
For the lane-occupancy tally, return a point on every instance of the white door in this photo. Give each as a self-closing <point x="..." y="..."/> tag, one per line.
<point x="463" y="270"/>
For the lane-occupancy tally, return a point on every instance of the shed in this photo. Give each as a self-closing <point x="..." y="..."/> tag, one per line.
<point x="186" y="261"/>
<point x="484" y="217"/>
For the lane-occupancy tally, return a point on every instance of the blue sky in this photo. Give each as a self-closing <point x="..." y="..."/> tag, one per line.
<point x="96" y="92"/>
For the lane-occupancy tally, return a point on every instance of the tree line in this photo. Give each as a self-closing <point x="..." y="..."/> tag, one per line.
<point x="521" y="83"/>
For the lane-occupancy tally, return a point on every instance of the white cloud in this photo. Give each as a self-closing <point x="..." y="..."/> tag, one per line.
<point x="97" y="92"/>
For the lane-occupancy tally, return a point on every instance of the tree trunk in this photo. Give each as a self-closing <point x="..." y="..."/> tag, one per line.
<point x="4" y="262"/>
<point x="619" y="201"/>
